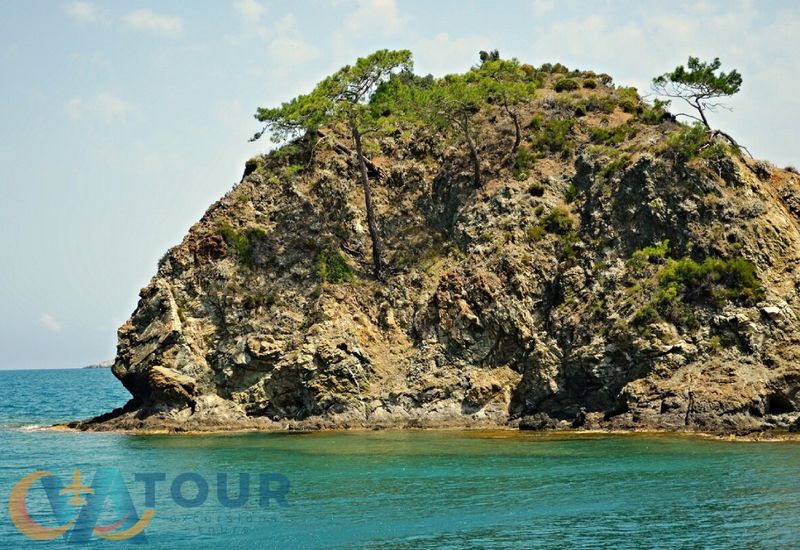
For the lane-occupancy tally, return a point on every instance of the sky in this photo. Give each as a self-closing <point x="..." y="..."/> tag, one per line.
<point x="123" y="121"/>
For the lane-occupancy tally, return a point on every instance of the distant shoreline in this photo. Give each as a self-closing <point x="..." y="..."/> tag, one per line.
<point x="107" y="364"/>
<point x="43" y="369"/>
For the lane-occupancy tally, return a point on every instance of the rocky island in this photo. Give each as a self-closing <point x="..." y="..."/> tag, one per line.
<point x="515" y="246"/>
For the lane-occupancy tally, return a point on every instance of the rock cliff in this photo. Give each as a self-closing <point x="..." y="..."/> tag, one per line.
<point x="610" y="275"/>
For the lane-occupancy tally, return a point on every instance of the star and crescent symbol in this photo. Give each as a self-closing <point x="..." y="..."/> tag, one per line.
<point x="18" y="511"/>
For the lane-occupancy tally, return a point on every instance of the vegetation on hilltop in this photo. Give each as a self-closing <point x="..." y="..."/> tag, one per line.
<point x="537" y="112"/>
<point x="342" y="98"/>
<point x="701" y="85"/>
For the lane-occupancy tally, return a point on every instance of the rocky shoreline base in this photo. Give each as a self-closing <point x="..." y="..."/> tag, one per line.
<point x="130" y="422"/>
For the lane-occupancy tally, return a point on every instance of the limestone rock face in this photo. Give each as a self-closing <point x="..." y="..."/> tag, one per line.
<point x="490" y="313"/>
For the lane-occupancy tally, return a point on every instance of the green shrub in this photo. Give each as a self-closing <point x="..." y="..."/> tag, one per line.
<point x="241" y="243"/>
<point x="536" y="123"/>
<point x="523" y="161"/>
<point x="255" y="164"/>
<point x="628" y="106"/>
<point x="554" y="136"/>
<point x="590" y="83"/>
<point x="684" y="282"/>
<point x="580" y="109"/>
<point x="241" y="197"/>
<point x="332" y="267"/>
<point x="251" y="165"/>
<point x="734" y="279"/>
<point x="620" y="162"/>
<point x="571" y="193"/>
<point x="687" y="141"/>
<point x="536" y="189"/>
<point x="539" y="209"/>
<point x="654" y="114"/>
<point x="649" y="254"/>
<point x="601" y="103"/>
<point x="628" y="99"/>
<point x="566" y="85"/>
<point x="694" y="141"/>
<point x="646" y="315"/>
<point x="292" y="170"/>
<point x="534" y="232"/>
<point x="290" y="150"/>
<point x="670" y="305"/>
<point x="568" y="241"/>
<point x="611" y="136"/>
<point x="558" y="220"/>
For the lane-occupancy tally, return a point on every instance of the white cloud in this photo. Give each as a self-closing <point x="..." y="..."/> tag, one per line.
<point x="374" y="20"/>
<point x="444" y="54"/>
<point x="49" y="322"/>
<point x="84" y="12"/>
<point x="542" y="7"/>
<point x="251" y="12"/>
<point x="286" y="25"/>
<point x="148" y="20"/>
<point x="375" y="16"/>
<point x="286" y="46"/>
<point x="285" y="50"/>
<point x="142" y="19"/>
<point x="573" y="40"/>
<point x="249" y="9"/>
<point x="104" y="105"/>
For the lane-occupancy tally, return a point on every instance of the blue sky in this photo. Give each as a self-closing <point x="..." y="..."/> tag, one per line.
<point x="123" y="121"/>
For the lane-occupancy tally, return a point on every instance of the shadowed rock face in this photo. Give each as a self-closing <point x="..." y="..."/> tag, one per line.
<point x="484" y="319"/>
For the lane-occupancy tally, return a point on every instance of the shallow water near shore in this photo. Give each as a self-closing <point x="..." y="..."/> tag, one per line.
<point x="449" y="489"/>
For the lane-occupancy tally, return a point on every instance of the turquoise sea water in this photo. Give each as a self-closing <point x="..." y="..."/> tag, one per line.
<point x="407" y="489"/>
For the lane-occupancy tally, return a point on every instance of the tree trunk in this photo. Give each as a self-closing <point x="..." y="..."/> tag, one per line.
<point x="702" y="114"/>
<point x="517" y="134"/>
<point x="339" y="148"/>
<point x="517" y="131"/>
<point x="377" y="263"/>
<point x="732" y="141"/>
<point x="473" y="154"/>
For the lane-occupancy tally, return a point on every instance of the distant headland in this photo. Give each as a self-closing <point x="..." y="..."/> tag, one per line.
<point x="106" y="364"/>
